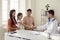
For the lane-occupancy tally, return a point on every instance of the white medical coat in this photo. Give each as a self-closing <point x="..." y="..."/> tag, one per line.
<point x="50" y="27"/>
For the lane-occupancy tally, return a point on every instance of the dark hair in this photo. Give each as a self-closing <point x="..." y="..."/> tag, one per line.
<point x="51" y="12"/>
<point x="11" y="12"/>
<point x="19" y="14"/>
<point x="29" y="10"/>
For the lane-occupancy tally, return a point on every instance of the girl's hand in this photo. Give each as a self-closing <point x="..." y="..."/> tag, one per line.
<point x="33" y="27"/>
<point x="17" y="28"/>
<point x="21" y="23"/>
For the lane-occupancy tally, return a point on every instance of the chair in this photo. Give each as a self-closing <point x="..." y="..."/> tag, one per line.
<point x="59" y="29"/>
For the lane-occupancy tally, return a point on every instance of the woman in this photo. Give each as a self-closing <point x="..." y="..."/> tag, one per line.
<point x="12" y="22"/>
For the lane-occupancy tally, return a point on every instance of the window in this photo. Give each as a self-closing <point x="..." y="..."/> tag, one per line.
<point x="18" y="5"/>
<point x="4" y="11"/>
<point x="22" y="7"/>
<point x="14" y="5"/>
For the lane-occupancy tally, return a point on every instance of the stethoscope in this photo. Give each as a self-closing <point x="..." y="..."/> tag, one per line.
<point x="49" y="20"/>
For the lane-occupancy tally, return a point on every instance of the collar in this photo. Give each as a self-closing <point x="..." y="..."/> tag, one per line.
<point x="51" y="19"/>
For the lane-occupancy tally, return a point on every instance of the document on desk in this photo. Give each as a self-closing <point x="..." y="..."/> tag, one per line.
<point x="35" y="33"/>
<point x="14" y="34"/>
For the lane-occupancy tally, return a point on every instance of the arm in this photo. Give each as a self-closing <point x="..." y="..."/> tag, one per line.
<point x="52" y="27"/>
<point x="24" y="23"/>
<point x="34" y="27"/>
<point x="33" y="22"/>
<point x="42" y="28"/>
<point x="10" y="26"/>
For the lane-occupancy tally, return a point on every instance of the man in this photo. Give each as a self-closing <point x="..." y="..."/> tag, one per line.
<point x="51" y="25"/>
<point x="29" y="21"/>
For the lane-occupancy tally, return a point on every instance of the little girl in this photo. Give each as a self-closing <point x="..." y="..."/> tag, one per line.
<point x="19" y="21"/>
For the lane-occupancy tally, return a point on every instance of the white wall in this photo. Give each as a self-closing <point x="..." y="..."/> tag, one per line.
<point x="37" y="5"/>
<point x="28" y="4"/>
<point x="0" y="12"/>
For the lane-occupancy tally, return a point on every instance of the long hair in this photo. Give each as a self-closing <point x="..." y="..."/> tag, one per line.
<point x="11" y="12"/>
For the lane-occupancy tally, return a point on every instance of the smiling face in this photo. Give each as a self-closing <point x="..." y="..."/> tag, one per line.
<point x="13" y="14"/>
<point x="20" y="17"/>
<point x="49" y="15"/>
<point x="29" y="13"/>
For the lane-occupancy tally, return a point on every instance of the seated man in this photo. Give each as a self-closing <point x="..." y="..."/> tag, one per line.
<point x="51" y="25"/>
<point x="29" y="21"/>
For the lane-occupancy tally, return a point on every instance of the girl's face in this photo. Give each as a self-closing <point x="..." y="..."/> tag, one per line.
<point x="20" y="17"/>
<point x="13" y="15"/>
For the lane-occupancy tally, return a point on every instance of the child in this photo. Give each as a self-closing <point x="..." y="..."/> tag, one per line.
<point x="19" y="21"/>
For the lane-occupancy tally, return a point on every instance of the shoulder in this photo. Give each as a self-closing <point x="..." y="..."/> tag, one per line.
<point x="25" y="18"/>
<point x="55" y="22"/>
<point x="9" y="20"/>
<point x="32" y="17"/>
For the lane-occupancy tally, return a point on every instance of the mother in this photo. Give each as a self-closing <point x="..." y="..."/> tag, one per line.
<point x="12" y="21"/>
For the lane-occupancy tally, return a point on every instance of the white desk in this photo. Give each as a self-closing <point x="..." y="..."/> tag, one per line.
<point x="28" y="35"/>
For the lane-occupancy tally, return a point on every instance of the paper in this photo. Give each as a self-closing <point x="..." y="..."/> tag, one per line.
<point x="35" y="32"/>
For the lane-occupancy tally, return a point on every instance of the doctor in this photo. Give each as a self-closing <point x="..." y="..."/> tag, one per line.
<point x="51" y="25"/>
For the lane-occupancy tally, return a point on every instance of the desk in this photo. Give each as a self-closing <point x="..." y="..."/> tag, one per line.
<point x="27" y="35"/>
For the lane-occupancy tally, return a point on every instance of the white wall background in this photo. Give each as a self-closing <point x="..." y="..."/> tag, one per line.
<point x="37" y="5"/>
<point x="0" y="11"/>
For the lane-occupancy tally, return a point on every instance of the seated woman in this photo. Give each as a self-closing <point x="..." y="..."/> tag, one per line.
<point x="19" y="21"/>
<point x="12" y="22"/>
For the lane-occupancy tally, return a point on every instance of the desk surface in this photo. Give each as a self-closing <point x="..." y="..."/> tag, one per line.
<point x="33" y="35"/>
